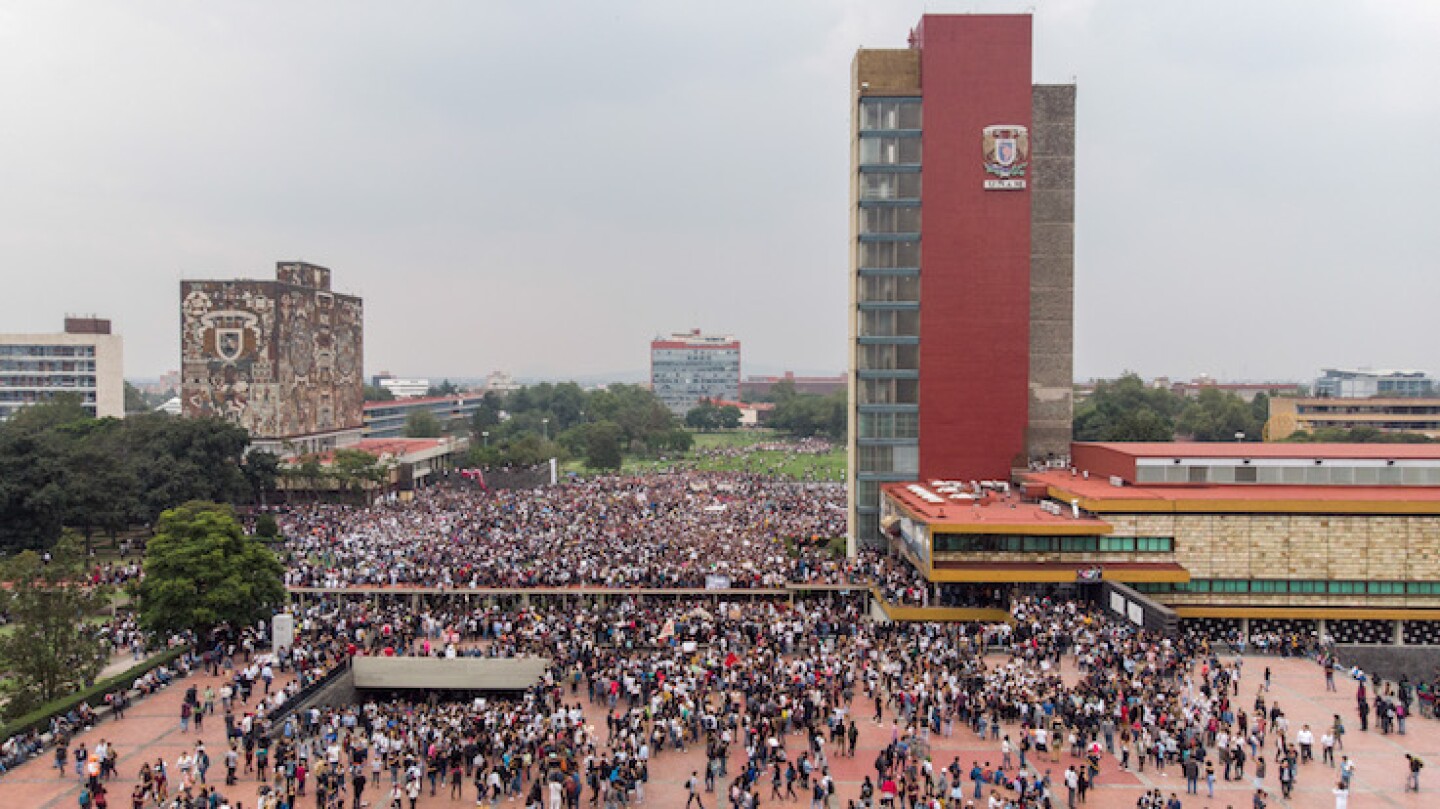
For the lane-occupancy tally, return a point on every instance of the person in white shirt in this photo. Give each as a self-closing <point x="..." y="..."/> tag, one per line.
<point x="1306" y="741"/>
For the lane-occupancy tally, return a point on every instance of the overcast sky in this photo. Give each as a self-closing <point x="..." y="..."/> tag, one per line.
<point x="543" y="187"/>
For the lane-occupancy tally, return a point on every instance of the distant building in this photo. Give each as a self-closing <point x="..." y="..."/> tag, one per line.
<point x="1388" y="414"/>
<point x="500" y="382"/>
<point x="1245" y="390"/>
<point x="86" y="360"/>
<point x="1341" y="383"/>
<point x="387" y="419"/>
<point x="280" y="358"/>
<point x="758" y="387"/>
<point x="686" y="367"/>
<point x="402" y="388"/>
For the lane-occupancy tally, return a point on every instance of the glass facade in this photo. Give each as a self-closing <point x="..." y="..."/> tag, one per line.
<point x="34" y="373"/>
<point x="886" y="358"/>
<point x="681" y="377"/>
<point x="1012" y="543"/>
<point x="1295" y="587"/>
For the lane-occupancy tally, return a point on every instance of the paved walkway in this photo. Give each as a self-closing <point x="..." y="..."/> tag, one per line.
<point x="151" y="729"/>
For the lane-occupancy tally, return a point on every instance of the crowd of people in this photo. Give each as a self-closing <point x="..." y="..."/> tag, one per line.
<point x="771" y="687"/>
<point x="649" y="531"/>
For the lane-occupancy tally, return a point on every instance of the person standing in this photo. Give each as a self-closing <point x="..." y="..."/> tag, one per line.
<point x="1342" y="795"/>
<point x="1412" y="781"/>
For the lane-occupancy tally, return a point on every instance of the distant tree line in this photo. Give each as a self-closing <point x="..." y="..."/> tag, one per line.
<point x="534" y="423"/>
<point x="61" y="468"/>
<point x="1126" y="409"/>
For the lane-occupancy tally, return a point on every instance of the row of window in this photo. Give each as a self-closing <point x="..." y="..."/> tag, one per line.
<point x="48" y="381"/>
<point x="889" y="186"/>
<point x="890" y="150"/>
<point x="888" y="391"/>
<point x="890" y="113"/>
<point x="1296" y="586"/>
<point x="899" y="459"/>
<point x="890" y="323"/>
<point x="46" y="351"/>
<point x="885" y="255"/>
<point x="890" y="219"/>
<point x="1011" y="543"/>
<point x="889" y="288"/>
<point x="889" y="425"/>
<point x="1327" y="474"/>
<point x="888" y="357"/>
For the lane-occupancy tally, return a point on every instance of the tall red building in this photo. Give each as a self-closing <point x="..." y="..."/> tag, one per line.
<point x="962" y="259"/>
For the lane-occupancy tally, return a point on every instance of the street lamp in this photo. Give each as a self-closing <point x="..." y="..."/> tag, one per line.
<point x="545" y="425"/>
<point x="1239" y="436"/>
<point x="485" y="434"/>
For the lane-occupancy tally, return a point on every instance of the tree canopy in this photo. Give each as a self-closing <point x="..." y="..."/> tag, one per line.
<point x="60" y="467"/>
<point x="50" y="649"/>
<point x="202" y="570"/>
<point x="531" y="424"/>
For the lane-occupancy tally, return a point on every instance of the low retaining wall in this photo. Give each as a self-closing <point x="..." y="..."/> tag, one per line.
<point x="1419" y="663"/>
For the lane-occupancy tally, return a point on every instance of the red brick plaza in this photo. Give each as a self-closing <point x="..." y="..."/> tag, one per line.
<point x="151" y="729"/>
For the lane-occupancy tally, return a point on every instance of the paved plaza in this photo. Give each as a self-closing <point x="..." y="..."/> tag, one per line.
<point x="151" y="730"/>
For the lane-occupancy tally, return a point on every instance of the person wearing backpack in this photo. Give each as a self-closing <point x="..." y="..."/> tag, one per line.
<point x="692" y="786"/>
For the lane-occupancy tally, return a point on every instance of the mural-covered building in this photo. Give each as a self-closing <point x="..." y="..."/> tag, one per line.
<point x="283" y="359"/>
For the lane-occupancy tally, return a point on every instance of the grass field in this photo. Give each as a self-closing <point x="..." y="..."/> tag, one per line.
<point x="729" y="452"/>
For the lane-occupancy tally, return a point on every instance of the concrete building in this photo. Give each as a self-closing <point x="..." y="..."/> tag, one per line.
<point x="1247" y="391"/>
<point x="387" y="419"/>
<point x="86" y="360"/>
<point x="1287" y="535"/>
<point x="1388" y="414"/>
<point x="962" y="190"/>
<point x="402" y="388"/>
<point x="281" y="358"/>
<point x="759" y="387"/>
<point x="687" y="367"/>
<point x="1343" y="383"/>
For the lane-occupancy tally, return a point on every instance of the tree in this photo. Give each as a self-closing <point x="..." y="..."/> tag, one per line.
<point x="202" y="571"/>
<point x="135" y="401"/>
<point x="727" y="417"/>
<point x="1125" y="409"/>
<point x="602" y="446"/>
<point x="355" y="470"/>
<point x="50" y="649"/>
<point x="1216" y="415"/>
<point x="261" y="470"/>
<point x="704" y="416"/>
<point x="378" y="393"/>
<point x="422" y="424"/>
<point x="808" y="414"/>
<point x="445" y="388"/>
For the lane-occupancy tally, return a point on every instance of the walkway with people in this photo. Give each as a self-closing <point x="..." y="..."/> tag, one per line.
<point x="151" y="730"/>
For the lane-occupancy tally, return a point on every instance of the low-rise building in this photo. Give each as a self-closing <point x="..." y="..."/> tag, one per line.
<point x="1403" y="414"/>
<point x="387" y="419"/>
<point x="1340" y="538"/>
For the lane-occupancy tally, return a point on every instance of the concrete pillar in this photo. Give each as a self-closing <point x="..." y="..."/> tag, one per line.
<point x="1323" y="627"/>
<point x="1399" y="633"/>
<point x="1245" y="632"/>
<point x="525" y="600"/>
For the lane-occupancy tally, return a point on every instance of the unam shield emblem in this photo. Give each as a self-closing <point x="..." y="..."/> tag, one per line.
<point x="1006" y="149"/>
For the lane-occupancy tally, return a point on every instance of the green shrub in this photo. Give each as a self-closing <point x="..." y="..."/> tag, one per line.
<point x="94" y="695"/>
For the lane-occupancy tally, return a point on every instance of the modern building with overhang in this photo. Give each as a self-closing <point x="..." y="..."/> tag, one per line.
<point x="1282" y="538"/>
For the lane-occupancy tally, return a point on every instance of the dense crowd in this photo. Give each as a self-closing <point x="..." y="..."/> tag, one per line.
<point x="771" y="689"/>
<point x="649" y="531"/>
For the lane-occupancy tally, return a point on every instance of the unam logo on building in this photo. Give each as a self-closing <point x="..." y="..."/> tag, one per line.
<point x="1006" y="150"/>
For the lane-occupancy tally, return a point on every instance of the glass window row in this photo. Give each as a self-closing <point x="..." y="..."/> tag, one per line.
<point x="890" y="113"/>
<point x="1295" y="586"/>
<point x="890" y="186"/>
<point x="890" y="219"/>
<point x="890" y="150"/>
<point x="1016" y="543"/>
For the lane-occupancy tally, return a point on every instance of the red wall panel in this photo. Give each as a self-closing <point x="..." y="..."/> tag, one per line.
<point x="975" y="250"/>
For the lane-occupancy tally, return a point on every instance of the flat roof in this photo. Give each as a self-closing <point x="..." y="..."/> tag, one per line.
<point x="1238" y="449"/>
<point x="449" y="674"/>
<point x="1020" y="571"/>
<point x="1096" y="494"/>
<point x="1000" y="514"/>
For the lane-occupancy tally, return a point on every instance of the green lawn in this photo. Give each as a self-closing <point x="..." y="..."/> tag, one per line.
<point x="830" y="466"/>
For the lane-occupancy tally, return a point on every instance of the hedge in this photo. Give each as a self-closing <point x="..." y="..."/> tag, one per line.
<point x="95" y="694"/>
